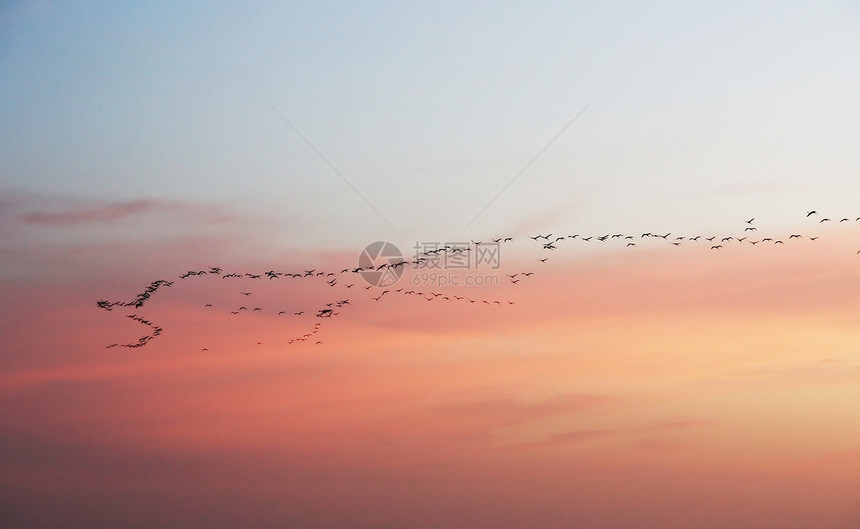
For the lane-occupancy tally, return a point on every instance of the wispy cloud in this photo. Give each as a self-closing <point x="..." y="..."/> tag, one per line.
<point x="103" y="213"/>
<point x="62" y="212"/>
<point x="40" y="230"/>
<point x="656" y="429"/>
<point x="51" y="210"/>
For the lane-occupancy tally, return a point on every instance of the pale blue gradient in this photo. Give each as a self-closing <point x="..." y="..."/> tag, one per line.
<point x="701" y="114"/>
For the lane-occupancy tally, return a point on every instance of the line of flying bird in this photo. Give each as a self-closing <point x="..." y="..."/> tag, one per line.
<point x="422" y="259"/>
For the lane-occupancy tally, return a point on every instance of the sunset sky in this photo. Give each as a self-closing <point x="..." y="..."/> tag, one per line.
<point x="628" y="383"/>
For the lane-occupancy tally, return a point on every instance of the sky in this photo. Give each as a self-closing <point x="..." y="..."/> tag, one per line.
<point x="640" y="381"/>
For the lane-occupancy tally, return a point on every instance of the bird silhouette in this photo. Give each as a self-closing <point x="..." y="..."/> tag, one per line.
<point x="333" y="308"/>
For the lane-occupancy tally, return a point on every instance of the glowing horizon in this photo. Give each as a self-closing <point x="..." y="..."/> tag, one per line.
<point x="705" y="375"/>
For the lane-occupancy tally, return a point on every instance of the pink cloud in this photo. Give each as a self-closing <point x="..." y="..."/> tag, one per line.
<point x="108" y="212"/>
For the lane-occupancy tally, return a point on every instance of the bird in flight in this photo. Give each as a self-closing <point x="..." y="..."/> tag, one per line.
<point x="548" y="242"/>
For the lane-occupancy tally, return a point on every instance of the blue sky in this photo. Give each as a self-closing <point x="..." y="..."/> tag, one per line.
<point x="698" y="114"/>
<point x="714" y="382"/>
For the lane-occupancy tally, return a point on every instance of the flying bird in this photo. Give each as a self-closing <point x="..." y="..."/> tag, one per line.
<point x="548" y="242"/>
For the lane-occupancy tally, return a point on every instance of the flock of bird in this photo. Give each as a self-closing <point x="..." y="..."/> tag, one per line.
<point x="345" y="279"/>
<point x="749" y="236"/>
<point x="143" y="340"/>
<point x="327" y="310"/>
